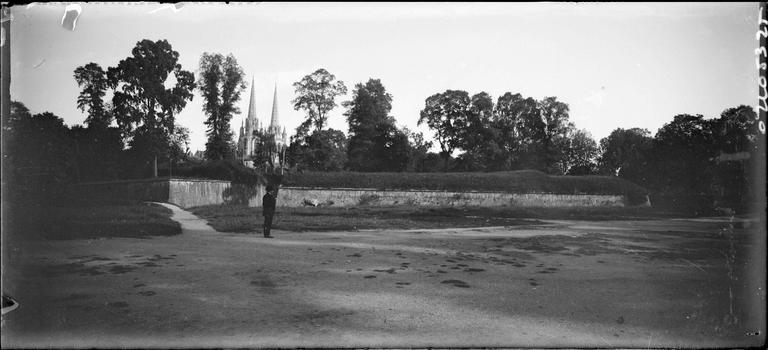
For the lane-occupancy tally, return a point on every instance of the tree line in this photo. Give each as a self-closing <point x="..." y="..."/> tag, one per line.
<point x="690" y="163"/>
<point x="130" y="125"/>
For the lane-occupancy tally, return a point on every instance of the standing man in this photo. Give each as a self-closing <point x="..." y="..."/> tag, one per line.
<point x="268" y="204"/>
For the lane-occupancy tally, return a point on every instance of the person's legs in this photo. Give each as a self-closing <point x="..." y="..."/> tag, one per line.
<point x="267" y="225"/>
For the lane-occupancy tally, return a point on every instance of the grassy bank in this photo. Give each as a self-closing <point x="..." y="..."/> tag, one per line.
<point x="90" y="220"/>
<point x="524" y="181"/>
<point x="227" y="218"/>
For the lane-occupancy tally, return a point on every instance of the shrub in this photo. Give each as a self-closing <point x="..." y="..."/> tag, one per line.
<point x="228" y="170"/>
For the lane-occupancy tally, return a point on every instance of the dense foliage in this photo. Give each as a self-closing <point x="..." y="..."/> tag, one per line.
<point x="316" y="95"/>
<point x="144" y="107"/>
<point x="220" y="82"/>
<point x="227" y="170"/>
<point x="698" y="163"/>
<point x="484" y="143"/>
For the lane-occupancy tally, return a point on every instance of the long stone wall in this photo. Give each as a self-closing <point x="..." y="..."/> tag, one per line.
<point x="296" y="197"/>
<point x="187" y="193"/>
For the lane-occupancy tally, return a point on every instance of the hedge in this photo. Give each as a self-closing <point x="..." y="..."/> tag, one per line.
<point x="523" y="181"/>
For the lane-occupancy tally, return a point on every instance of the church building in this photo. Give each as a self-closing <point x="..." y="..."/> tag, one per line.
<point x="252" y="134"/>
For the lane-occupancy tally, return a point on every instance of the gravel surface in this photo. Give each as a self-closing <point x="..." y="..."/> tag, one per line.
<point x="664" y="283"/>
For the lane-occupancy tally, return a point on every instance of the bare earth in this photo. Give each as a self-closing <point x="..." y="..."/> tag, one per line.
<point x="667" y="283"/>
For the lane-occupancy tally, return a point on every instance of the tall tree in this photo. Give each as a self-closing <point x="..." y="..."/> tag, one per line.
<point x="582" y="154"/>
<point x="479" y="137"/>
<point x="442" y="113"/>
<point x="316" y="94"/>
<point x="681" y="153"/>
<point x="735" y="153"/>
<point x="93" y="81"/>
<point x="372" y="131"/>
<point x="624" y="153"/>
<point x="220" y="82"/>
<point x="554" y="141"/>
<point x="144" y="108"/>
<point x="520" y="126"/>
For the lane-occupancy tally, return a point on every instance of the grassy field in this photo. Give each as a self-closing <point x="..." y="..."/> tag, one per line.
<point x="230" y="218"/>
<point x="80" y="220"/>
<point x="523" y="181"/>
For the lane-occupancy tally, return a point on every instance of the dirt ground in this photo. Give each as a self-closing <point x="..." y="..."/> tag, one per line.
<point x="663" y="283"/>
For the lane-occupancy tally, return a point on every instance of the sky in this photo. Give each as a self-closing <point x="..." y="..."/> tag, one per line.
<point x="617" y="65"/>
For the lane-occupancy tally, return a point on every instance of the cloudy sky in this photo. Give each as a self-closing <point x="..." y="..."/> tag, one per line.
<point x="616" y="65"/>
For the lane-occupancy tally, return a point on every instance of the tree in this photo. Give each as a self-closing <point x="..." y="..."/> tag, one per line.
<point x="735" y="152"/>
<point x="390" y="149"/>
<point x="316" y="94"/>
<point x="554" y="140"/>
<point x="40" y="155"/>
<point x="582" y="154"/>
<point x="264" y="150"/>
<point x="625" y="153"/>
<point x="324" y="150"/>
<point x="681" y="159"/>
<point x="99" y="153"/>
<point x="93" y="81"/>
<point x="417" y="150"/>
<point x="144" y="108"/>
<point x="736" y="130"/>
<point x="520" y="127"/>
<point x="179" y="141"/>
<point x="443" y="113"/>
<point x="375" y="143"/>
<point x="220" y="82"/>
<point x="479" y="137"/>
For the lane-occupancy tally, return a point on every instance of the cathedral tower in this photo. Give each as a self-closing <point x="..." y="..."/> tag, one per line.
<point x="252" y="122"/>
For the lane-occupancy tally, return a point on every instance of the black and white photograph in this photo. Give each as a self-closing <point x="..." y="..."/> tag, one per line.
<point x="383" y="175"/>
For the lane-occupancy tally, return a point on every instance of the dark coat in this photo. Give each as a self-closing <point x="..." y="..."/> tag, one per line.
<point x="268" y="203"/>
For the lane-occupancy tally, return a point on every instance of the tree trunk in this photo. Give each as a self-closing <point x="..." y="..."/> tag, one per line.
<point x="154" y="167"/>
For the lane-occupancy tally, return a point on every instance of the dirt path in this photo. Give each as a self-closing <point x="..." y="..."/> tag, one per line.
<point x="562" y="284"/>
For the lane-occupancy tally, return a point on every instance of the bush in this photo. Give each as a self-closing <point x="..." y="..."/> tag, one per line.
<point x="524" y="181"/>
<point x="228" y="170"/>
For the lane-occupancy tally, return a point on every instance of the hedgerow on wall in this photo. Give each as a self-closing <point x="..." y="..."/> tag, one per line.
<point x="221" y="170"/>
<point x="524" y="181"/>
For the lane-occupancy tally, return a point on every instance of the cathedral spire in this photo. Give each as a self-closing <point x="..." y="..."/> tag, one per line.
<point x="251" y="123"/>
<point x="252" y="104"/>
<point x="274" y="123"/>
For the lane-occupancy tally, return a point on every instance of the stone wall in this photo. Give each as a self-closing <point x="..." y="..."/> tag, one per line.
<point x="192" y="193"/>
<point x="187" y="193"/>
<point x="295" y="197"/>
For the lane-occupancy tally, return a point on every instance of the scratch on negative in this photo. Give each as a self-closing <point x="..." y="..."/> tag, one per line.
<point x="694" y="265"/>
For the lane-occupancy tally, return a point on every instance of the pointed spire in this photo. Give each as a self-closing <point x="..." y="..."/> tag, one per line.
<point x="274" y="123"/>
<point x="251" y="122"/>
<point x="252" y="103"/>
